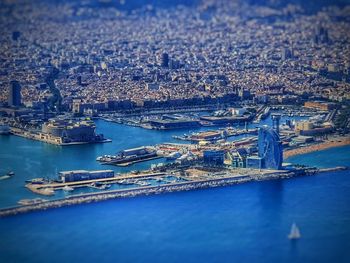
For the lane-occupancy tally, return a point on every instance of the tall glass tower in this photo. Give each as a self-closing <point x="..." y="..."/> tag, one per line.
<point x="14" y="94"/>
<point x="270" y="148"/>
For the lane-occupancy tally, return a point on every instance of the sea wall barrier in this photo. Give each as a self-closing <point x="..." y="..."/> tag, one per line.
<point x="149" y="190"/>
<point x="131" y="192"/>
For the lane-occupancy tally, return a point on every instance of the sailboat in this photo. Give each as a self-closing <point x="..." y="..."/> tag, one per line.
<point x="294" y="232"/>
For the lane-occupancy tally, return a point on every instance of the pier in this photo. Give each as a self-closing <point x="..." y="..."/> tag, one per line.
<point x="215" y="135"/>
<point x="51" y="140"/>
<point x="42" y="188"/>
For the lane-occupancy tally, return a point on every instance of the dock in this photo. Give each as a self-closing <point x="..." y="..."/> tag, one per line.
<point x="41" y="188"/>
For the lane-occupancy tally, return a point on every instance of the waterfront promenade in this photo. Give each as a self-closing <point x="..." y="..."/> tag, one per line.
<point x="333" y="142"/>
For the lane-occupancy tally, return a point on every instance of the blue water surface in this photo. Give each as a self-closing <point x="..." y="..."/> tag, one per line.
<point x="242" y="223"/>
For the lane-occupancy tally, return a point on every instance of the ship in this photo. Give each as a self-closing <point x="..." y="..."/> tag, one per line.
<point x="67" y="188"/>
<point x="129" y="156"/>
<point x="37" y="181"/>
<point x="173" y="156"/>
<point x="7" y="176"/>
<point x="100" y="186"/>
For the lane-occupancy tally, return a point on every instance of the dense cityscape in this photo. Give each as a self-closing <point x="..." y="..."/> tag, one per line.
<point x="105" y="100"/>
<point x="112" y="59"/>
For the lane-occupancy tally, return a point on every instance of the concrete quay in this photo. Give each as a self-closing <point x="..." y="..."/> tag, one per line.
<point x="41" y="188"/>
<point x="36" y="137"/>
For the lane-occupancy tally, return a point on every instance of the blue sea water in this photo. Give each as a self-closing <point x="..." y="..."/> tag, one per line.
<point x="242" y="223"/>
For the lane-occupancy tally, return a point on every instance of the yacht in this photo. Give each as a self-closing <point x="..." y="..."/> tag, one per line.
<point x="67" y="188"/>
<point x="7" y="176"/>
<point x="106" y="186"/>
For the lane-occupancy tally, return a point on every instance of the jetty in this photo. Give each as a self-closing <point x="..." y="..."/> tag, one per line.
<point x="217" y="179"/>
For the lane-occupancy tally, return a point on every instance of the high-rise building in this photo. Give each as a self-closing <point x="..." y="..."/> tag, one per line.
<point x="276" y="122"/>
<point x="270" y="149"/>
<point x="165" y="60"/>
<point x="321" y="35"/>
<point x="16" y="35"/>
<point x="14" y="99"/>
<point x="286" y="53"/>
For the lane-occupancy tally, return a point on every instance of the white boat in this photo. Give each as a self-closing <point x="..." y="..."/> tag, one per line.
<point x="106" y="186"/>
<point x="173" y="156"/>
<point x="67" y="188"/>
<point x="142" y="183"/>
<point x="48" y="191"/>
<point x="7" y="176"/>
<point x="294" y="232"/>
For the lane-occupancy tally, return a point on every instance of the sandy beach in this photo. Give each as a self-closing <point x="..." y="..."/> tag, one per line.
<point x="332" y="142"/>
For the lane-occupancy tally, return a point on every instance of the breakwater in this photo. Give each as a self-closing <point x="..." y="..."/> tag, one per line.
<point x="149" y="190"/>
<point x="131" y="192"/>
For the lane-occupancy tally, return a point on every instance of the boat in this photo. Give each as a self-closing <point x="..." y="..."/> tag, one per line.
<point x="100" y="186"/>
<point x="294" y="232"/>
<point x="48" y="191"/>
<point x="173" y="156"/>
<point x="123" y="181"/>
<point x="129" y="156"/>
<point x="7" y="176"/>
<point x="36" y="181"/>
<point x="67" y="188"/>
<point x="142" y="183"/>
<point x="106" y="186"/>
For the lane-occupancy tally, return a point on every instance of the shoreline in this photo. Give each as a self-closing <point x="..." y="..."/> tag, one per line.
<point x="334" y="142"/>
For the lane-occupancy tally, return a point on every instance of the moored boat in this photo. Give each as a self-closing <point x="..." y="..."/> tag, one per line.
<point x="67" y="188"/>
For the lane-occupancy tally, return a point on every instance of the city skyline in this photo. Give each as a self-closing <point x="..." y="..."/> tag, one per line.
<point x="174" y="131"/>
